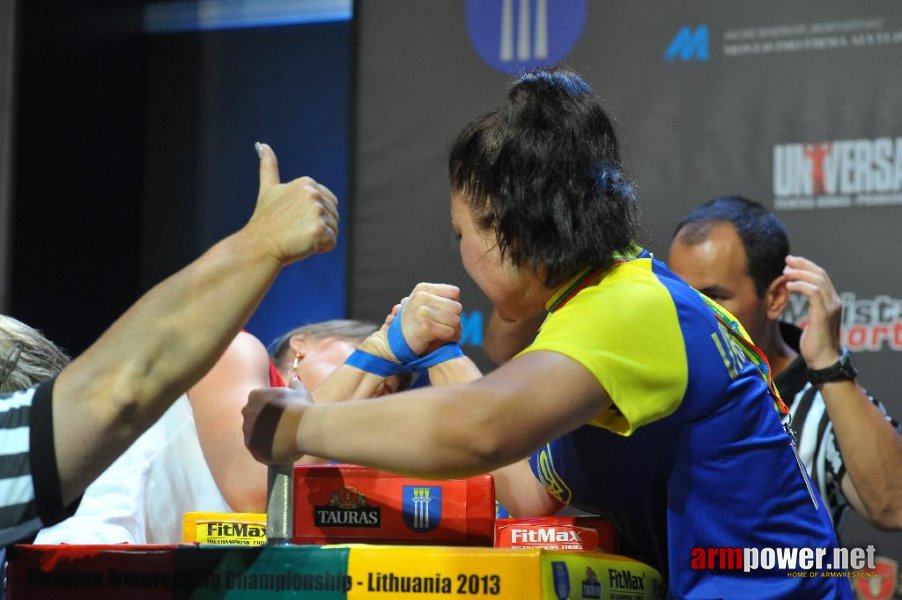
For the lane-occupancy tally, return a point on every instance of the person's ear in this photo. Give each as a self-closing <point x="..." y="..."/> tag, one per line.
<point x="299" y="345"/>
<point x="776" y="297"/>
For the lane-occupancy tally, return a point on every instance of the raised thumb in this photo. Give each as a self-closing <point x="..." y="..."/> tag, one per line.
<point x="269" y="166"/>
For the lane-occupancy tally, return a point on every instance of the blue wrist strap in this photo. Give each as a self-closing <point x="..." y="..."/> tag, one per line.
<point x="441" y="354"/>
<point x="420" y="380"/>
<point x="375" y="364"/>
<point x="399" y="346"/>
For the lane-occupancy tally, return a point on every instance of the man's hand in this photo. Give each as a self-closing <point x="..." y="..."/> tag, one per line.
<point x="293" y="219"/>
<point x="819" y="344"/>
<point x="271" y="418"/>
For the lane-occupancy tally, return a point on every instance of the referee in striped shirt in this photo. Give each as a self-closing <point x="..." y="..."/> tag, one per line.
<point x="737" y="253"/>
<point x="27" y="358"/>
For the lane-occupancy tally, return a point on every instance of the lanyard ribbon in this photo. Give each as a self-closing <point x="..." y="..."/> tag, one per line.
<point x="589" y="277"/>
<point x="752" y="351"/>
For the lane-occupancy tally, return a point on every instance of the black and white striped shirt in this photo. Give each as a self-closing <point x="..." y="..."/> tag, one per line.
<point x="814" y="435"/>
<point x="29" y="482"/>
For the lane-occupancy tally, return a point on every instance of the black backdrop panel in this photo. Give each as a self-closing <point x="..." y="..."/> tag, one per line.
<point x="792" y="104"/>
<point x="211" y="95"/>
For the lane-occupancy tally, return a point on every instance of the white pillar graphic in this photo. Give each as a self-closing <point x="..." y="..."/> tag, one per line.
<point x="540" y="51"/>
<point x="529" y="45"/>
<point x="523" y="31"/>
<point x="421" y="508"/>
<point x="507" y="31"/>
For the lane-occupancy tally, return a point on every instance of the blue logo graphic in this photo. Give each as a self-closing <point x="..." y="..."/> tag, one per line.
<point x="688" y="44"/>
<point x="471" y="325"/>
<point x="561" y="580"/>
<point x="516" y="35"/>
<point x="591" y="585"/>
<point x="422" y="507"/>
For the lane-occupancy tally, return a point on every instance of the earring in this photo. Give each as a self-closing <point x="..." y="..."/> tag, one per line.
<point x="294" y="366"/>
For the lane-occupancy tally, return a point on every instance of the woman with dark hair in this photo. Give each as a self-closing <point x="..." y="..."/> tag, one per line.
<point x="638" y="399"/>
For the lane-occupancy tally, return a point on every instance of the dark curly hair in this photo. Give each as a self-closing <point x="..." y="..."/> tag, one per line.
<point x="543" y="169"/>
<point x="762" y="234"/>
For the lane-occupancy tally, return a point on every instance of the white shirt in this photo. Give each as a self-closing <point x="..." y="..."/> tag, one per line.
<point x="143" y="496"/>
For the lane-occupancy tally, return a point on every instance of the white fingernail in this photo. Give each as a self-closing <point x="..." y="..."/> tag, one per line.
<point x="259" y="148"/>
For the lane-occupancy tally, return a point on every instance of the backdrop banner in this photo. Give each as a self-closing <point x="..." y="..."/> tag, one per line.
<point x="792" y="104"/>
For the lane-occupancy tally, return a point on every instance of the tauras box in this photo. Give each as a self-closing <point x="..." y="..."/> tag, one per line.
<point x="346" y="503"/>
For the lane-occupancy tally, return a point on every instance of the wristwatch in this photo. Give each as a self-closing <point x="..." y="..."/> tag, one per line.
<point x="842" y="370"/>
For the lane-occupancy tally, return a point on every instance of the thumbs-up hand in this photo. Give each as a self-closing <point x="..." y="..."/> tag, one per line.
<point x="294" y="219"/>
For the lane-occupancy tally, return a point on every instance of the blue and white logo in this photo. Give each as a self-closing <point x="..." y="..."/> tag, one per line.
<point x="688" y="44"/>
<point x="472" y="325"/>
<point x="517" y="35"/>
<point x="422" y="507"/>
<point x="561" y="578"/>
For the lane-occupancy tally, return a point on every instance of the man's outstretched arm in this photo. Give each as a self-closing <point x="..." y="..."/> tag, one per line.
<point x="175" y="333"/>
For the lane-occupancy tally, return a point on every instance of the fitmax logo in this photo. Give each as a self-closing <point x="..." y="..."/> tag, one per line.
<point x="688" y="44"/>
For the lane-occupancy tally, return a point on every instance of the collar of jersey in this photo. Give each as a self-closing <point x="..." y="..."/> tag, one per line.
<point x="590" y="276"/>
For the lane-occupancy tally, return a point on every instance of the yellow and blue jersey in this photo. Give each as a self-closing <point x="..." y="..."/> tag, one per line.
<point x="692" y="453"/>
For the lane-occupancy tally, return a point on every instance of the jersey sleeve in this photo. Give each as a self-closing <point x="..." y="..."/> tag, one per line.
<point x="44" y="468"/>
<point x="626" y="332"/>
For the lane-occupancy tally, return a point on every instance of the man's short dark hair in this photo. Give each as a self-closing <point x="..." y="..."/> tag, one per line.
<point x="762" y="234"/>
<point x="543" y="169"/>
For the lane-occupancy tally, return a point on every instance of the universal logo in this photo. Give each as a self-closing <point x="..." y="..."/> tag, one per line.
<point x="347" y="508"/>
<point x="838" y="173"/>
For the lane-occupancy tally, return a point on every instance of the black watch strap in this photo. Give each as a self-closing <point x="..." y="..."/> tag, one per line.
<point x="841" y="370"/>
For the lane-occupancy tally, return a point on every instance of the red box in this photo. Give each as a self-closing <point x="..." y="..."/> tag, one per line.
<point x="345" y="504"/>
<point x="586" y="534"/>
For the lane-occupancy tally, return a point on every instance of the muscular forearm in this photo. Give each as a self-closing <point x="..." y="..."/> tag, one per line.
<point x="154" y="352"/>
<point x="515" y="487"/>
<point x="518" y="490"/>
<point x="409" y="433"/>
<point x="346" y="383"/>
<point x="401" y="411"/>
<point x="343" y="384"/>
<point x="458" y="430"/>
<point x="872" y="451"/>
<point x="459" y="370"/>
